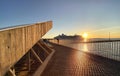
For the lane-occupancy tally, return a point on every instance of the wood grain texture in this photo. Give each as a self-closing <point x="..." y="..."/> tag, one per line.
<point x="16" y="41"/>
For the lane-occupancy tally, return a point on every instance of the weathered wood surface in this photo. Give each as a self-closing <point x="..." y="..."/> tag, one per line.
<point x="16" y="41"/>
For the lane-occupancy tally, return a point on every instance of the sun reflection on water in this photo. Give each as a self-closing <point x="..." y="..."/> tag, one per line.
<point x="85" y="48"/>
<point x="85" y="40"/>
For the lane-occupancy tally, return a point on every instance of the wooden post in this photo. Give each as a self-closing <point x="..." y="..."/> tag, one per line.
<point x="12" y="72"/>
<point x="36" y="56"/>
<point x="43" y="48"/>
<point x="29" y="61"/>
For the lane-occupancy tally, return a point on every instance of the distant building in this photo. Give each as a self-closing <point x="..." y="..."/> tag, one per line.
<point x="74" y="37"/>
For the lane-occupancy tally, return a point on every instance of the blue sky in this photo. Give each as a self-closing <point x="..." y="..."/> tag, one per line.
<point x="68" y="16"/>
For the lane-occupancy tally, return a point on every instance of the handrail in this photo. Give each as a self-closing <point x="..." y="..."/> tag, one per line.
<point x="106" y="48"/>
<point x="101" y="41"/>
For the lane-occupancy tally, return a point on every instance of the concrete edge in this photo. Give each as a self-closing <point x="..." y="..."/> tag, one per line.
<point x="43" y="65"/>
<point x="21" y="26"/>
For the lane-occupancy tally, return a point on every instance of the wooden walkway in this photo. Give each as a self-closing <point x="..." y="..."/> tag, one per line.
<point x="70" y="62"/>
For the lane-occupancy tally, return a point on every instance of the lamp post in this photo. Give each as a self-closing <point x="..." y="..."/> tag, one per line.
<point x="109" y="36"/>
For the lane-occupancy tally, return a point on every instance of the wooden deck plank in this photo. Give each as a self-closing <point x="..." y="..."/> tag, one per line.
<point x="70" y="62"/>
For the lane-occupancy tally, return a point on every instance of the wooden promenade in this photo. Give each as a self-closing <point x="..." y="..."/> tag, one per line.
<point x="71" y="62"/>
<point x="23" y="53"/>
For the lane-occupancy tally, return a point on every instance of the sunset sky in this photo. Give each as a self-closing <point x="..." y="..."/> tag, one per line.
<point x="95" y="17"/>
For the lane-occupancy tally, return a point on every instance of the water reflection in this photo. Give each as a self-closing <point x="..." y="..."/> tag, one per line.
<point x="85" y="48"/>
<point x="106" y="49"/>
<point x="85" y="40"/>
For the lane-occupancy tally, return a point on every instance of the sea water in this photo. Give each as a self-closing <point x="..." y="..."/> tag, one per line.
<point x="106" y="49"/>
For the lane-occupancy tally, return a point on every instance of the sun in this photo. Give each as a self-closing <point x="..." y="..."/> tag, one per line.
<point x="85" y="35"/>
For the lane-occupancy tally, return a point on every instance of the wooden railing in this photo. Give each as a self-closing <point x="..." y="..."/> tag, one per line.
<point x="106" y="48"/>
